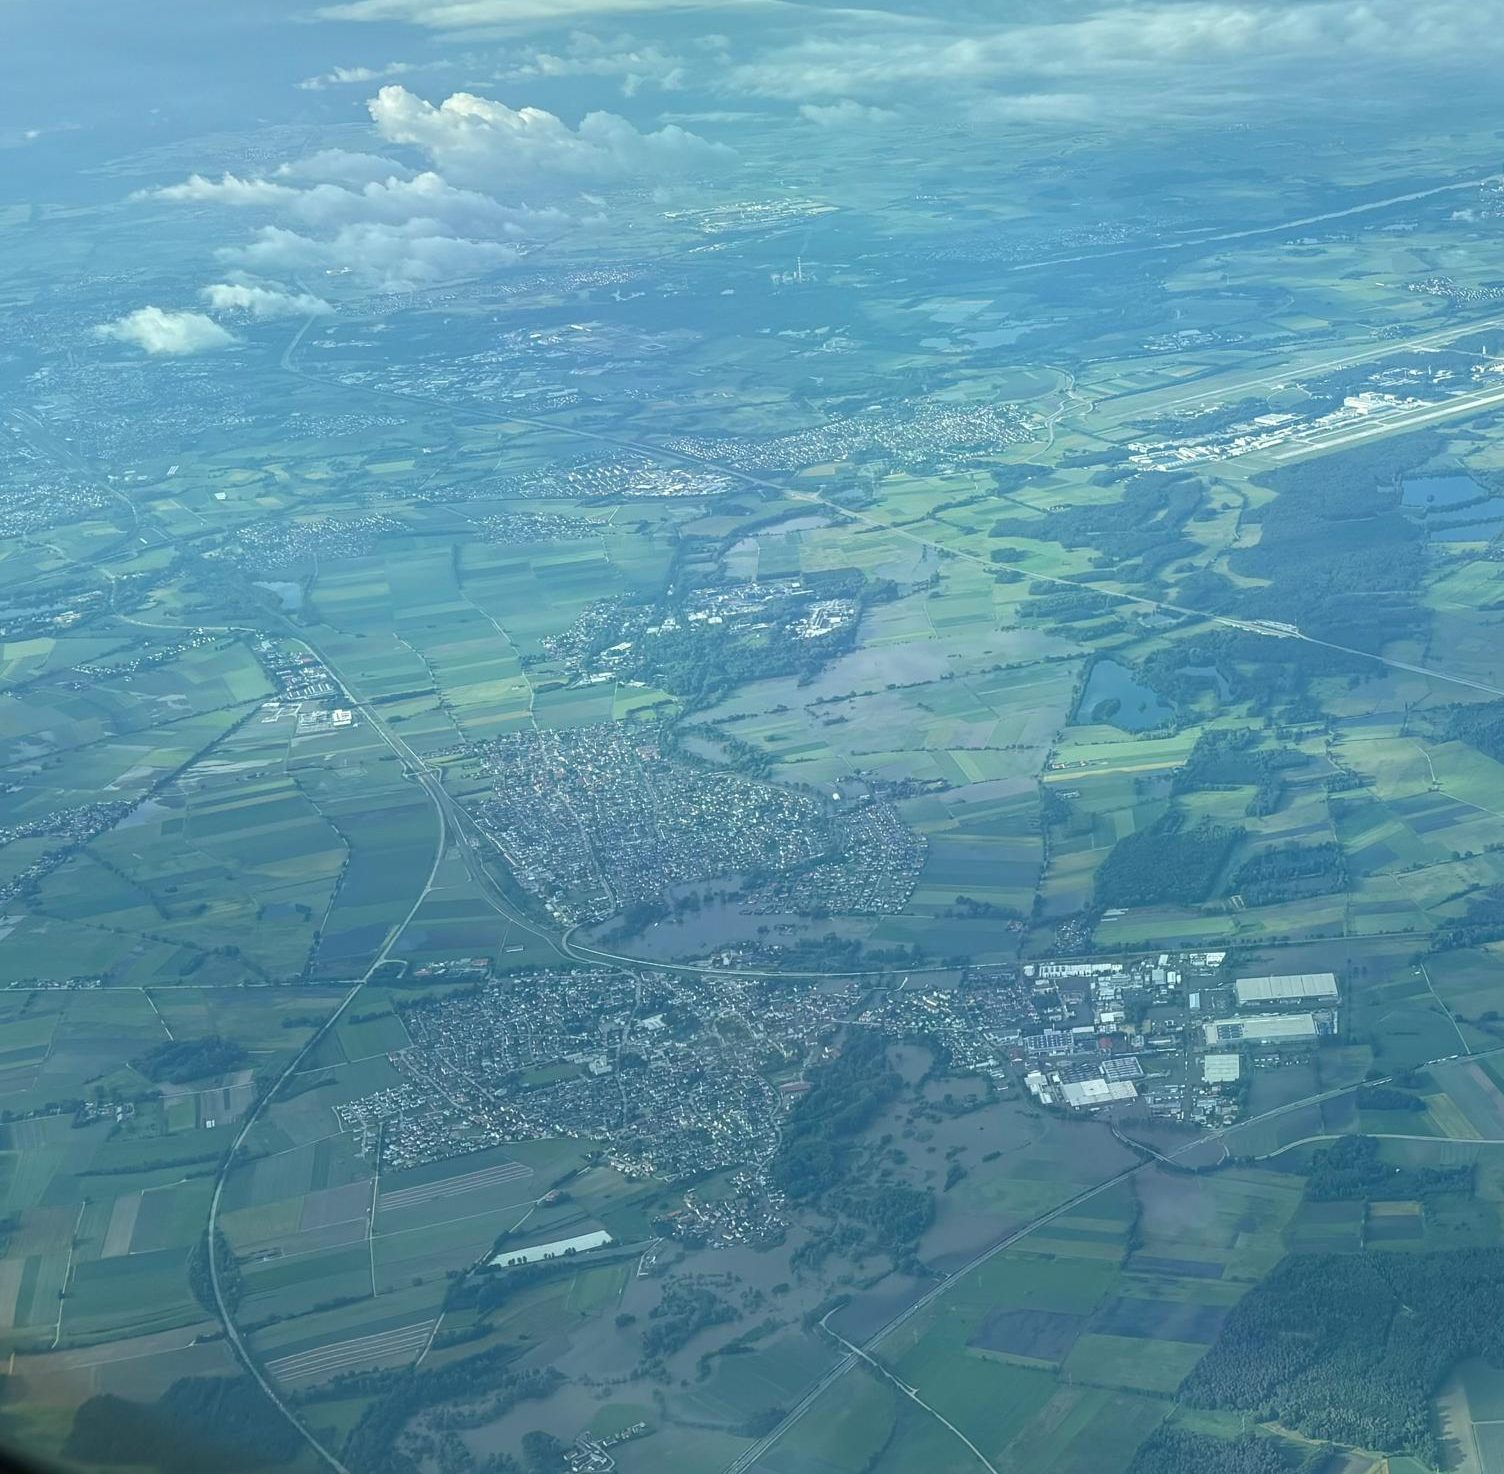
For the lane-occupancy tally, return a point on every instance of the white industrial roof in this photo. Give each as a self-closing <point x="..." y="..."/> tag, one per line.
<point x="1220" y="1069"/>
<point x="1261" y="1026"/>
<point x="1293" y="985"/>
<point x="1081" y="1093"/>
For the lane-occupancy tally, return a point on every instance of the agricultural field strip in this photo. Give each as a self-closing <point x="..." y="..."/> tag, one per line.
<point x="382" y="1236"/>
<point x="226" y="1316"/>
<point x="341" y="1354"/>
<point x="912" y="1393"/>
<point x="404" y="1197"/>
<point x="85" y="1358"/>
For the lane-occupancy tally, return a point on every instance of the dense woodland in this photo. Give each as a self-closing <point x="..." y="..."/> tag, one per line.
<point x="484" y="1380"/>
<point x="847" y="1093"/>
<point x="1170" y="861"/>
<point x="1341" y="560"/>
<point x="199" y="1423"/>
<point x="1480" y="726"/>
<point x="1232" y="758"/>
<point x="1177" y="1451"/>
<point x="180" y="1061"/>
<point x="1136" y="536"/>
<point x="1353" y="1170"/>
<point x="1289" y="871"/>
<point x="818" y="1153"/>
<point x="1483" y="921"/>
<point x="1351" y="1347"/>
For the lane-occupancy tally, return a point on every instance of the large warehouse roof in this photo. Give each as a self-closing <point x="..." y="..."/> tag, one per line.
<point x="1286" y="989"/>
<point x="1261" y="1026"/>
<point x="1085" y="1093"/>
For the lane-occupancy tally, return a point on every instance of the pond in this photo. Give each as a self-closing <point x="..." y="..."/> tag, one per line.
<point x="290" y="594"/>
<point x="1113" y="695"/>
<point x="1439" y="491"/>
<point x="1481" y="524"/>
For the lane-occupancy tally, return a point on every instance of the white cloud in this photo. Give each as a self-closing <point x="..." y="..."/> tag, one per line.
<point x="345" y="76"/>
<point x="480" y="141"/>
<point x="638" y="65"/>
<point x="263" y="302"/>
<point x="456" y="15"/>
<point x="340" y="166"/>
<point x="846" y="113"/>
<point x="427" y="196"/>
<point x="388" y="257"/>
<point x="1152" y="54"/>
<point x="160" y="331"/>
<point x="229" y="189"/>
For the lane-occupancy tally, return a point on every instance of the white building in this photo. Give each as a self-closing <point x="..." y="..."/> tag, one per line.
<point x="1261" y="1028"/>
<point x="1084" y="1094"/>
<point x="1300" y="987"/>
<point x="537" y="1252"/>
<point x="1221" y="1069"/>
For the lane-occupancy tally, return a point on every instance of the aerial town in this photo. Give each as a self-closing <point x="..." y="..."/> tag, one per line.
<point x="687" y="1074"/>
<point x="594" y="819"/>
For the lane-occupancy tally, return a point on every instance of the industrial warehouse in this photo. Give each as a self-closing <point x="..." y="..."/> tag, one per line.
<point x="1301" y="987"/>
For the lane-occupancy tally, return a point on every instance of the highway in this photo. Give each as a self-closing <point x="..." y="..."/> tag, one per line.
<point x="221" y="1305"/>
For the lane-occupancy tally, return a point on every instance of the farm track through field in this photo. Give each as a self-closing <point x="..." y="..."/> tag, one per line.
<point x="405" y="1197"/>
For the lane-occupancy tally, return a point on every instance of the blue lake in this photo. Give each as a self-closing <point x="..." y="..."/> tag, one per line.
<point x="290" y="594"/>
<point x="1138" y="708"/>
<point x="1438" y="491"/>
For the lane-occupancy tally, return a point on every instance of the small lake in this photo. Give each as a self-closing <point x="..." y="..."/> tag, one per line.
<point x="1491" y="521"/>
<point x="1439" y="491"/>
<point x="290" y="594"/>
<point x="1137" y="708"/>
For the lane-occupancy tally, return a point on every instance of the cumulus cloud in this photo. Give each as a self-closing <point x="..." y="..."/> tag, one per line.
<point x="428" y="196"/>
<point x="263" y="302"/>
<point x="345" y="76"/>
<point x="483" y="142"/>
<point x="228" y="189"/>
<point x="340" y="166"/>
<point x="388" y="257"/>
<point x="159" y="331"/>
<point x="393" y="200"/>
<point x="846" y="113"/>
